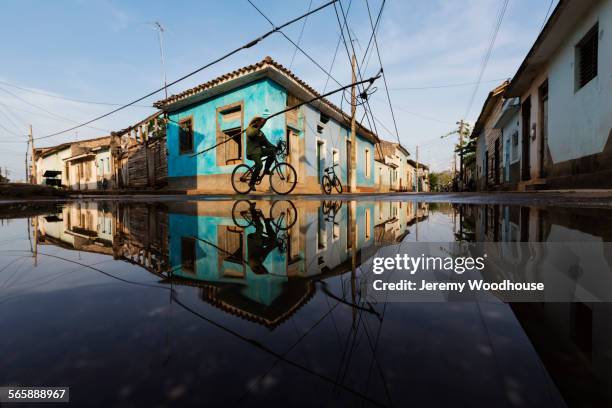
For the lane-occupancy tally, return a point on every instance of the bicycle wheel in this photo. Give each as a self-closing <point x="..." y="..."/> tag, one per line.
<point x="241" y="213"/>
<point x="283" y="214"/>
<point x="338" y="184"/>
<point x="283" y="178"/>
<point x="241" y="178"/>
<point x="327" y="184"/>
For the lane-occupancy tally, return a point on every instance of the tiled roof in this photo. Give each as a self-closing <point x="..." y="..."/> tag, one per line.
<point x="265" y="63"/>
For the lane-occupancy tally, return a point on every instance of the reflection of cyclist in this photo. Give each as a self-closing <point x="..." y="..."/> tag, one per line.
<point x="260" y="242"/>
<point x="258" y="147"/>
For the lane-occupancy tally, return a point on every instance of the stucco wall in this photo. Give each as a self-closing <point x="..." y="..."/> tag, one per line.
<point x="260" y="98"/>
<point x="580" y="121"/>
<point x="53" y="161"/>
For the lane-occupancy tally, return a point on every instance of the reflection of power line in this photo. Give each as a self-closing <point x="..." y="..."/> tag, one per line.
<point x="252" y="342"/>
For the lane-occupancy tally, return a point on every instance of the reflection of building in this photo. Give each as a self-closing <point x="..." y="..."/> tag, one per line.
<point x="135" y="233"/>
<point x="208" y="249"/>
<point x="573" y="339"/>
<point x="393" y="219"/>
<point x="208" y="245"/>
<point x="81" y="226"/>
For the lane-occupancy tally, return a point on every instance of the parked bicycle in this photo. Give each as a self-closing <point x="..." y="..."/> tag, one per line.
<point x="330" y="210"/>
<point x="283" y="176"/>
<point x="331" y="180"/>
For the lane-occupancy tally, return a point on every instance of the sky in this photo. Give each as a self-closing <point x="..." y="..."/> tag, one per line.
<point x="107" y="52"/>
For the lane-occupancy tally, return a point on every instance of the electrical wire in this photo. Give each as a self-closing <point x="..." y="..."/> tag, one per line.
<point x="47" y="111"/>
<point x="417" y="88"/>
<point x="50" y="95"/>
<point x="487" y="55"/>
<point x="215" y="61"/>
<point x="300" y="36"/>
<point x="546" y="15"/>
<point x="384" y="77"/>
<point x="5" y="113"/>
<point x="371" y="123"/>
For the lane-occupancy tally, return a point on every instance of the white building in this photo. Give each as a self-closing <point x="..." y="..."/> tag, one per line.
<point x="555" y="125"/>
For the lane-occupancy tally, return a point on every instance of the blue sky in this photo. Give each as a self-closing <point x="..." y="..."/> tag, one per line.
<point x="107" y="51"/>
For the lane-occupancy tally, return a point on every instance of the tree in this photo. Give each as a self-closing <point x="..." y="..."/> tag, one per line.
<point x="442" y="181"/>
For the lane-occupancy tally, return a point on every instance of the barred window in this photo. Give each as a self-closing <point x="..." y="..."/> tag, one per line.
<point x="586" y="55"/>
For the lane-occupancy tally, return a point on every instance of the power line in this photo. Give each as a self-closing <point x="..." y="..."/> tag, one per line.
<point x="487" y="55"/>
<point x="374" y="29"/>
<point x="316" y="98"/>
<point x="297" y="47"/>
<point x="331" y="68"/>
<point x="328" y="73"/>
<point x="217" y="60"/>
<point x="300" y="36"/>
<point x="50" y="95"/>
<point x="46" y="110"/>
<point x="416" y="88"/>
<point x="384" y="76"/>
<point x="5" y="113"/>
<point x="422" y="116"/>
<point x="367" y="107"/>
<point x="546" y="16"/>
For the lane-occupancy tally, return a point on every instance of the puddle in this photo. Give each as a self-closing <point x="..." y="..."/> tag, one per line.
<point x="252" y="303"/>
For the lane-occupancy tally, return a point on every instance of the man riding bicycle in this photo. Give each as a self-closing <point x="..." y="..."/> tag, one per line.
<point x="259" y="147"/>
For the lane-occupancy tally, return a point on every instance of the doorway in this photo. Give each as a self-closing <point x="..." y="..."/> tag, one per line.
<point x="526" y="139"/>
<point x="544" y="128"/>
<point x="496" y="161"/>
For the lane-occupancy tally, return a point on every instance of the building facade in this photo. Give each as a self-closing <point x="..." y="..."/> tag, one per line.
<point x="82" y="165"/>
<point x="213" y="116"/>
<point x="552" y="125"/>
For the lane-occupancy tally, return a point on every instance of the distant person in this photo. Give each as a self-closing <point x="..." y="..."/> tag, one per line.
<point x="259" y="147"/>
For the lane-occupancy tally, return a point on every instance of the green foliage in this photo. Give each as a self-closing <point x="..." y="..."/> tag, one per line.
<point x="441" y="181"/>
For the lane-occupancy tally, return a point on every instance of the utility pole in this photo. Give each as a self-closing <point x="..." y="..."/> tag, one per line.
<point x="27" y="173"/>
<point x="461" y="124"/>
<point x="417" y="168"/>
<point x="353" y="152"/>
<point x="33" y="170"/>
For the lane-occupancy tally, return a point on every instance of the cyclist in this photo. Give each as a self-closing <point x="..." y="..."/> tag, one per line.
<point x="261" y="242"/>
<point x="258" y="148"/>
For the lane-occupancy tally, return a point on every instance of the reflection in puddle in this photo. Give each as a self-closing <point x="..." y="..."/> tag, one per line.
<point x="255" y="299"/>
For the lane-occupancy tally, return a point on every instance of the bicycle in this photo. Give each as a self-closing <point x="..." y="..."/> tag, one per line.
<point x="330" y="179"/>
<point x="283" y="176"/>
<point x="282" y="216"/>
<point x="330" y="210"/>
